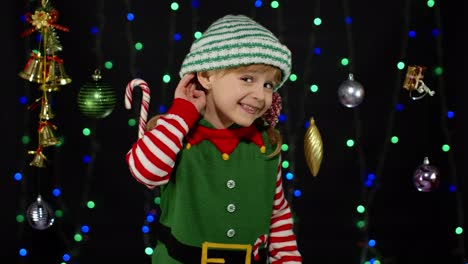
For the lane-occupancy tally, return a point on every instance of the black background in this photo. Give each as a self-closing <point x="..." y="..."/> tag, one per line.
<point x="409" y="226"/>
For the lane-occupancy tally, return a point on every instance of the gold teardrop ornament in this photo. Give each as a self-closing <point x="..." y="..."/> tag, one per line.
<point x="313" y="148"/>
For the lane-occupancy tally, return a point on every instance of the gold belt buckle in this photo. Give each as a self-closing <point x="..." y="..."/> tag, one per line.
<point x="207" y="245"/>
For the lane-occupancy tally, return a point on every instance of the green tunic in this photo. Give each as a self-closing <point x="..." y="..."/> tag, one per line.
<point x="216" y="200"/>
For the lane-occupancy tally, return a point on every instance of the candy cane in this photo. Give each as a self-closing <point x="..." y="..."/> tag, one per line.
<point x="144" y="102"/>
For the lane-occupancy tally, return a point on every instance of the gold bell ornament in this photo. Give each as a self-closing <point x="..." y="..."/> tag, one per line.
<point x="56" y="72"/>
<point x="313" y="148"/>
<point x="39" y="158"/>
<point x="46" y="134"/>
<point x="34" y="69"/>
<point x="46" y="110"/>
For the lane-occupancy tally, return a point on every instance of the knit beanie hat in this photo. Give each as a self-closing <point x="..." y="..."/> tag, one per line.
<point x="236" y="40"/>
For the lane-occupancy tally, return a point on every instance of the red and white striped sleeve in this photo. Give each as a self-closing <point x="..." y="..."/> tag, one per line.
<point x="152" y="157"/>
<point x="282" y="241"/>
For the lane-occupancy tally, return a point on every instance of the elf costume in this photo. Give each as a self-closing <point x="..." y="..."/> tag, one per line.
<point x="218" y="186"/>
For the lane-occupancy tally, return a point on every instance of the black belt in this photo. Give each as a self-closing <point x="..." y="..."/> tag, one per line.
<point x="192" y="255"/>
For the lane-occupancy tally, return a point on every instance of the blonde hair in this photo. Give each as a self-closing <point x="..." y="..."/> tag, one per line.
<point x="263" y="67"/>
<point x="274" y="137"/>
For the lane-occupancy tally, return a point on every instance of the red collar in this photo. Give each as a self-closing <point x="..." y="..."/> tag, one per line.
<point x="225" y="140"/>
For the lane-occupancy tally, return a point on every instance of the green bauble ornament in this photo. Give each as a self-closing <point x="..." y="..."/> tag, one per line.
<point x="96" y="99"/>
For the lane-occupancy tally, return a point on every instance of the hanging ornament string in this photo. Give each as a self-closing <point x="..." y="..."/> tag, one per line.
<point x="131" y="42"/>
<point x="353" y="91"/>
<point x="146" y="96"/>
<point x="313" y="145"/>
<point x="371" y="193"/>
<point x="455" y="177"/>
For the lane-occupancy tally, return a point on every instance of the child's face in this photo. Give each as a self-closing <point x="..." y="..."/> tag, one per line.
<point x="240" y="96"/>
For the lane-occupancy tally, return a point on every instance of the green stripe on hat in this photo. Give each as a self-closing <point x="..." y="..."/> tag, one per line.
<point x="236" y="40"/>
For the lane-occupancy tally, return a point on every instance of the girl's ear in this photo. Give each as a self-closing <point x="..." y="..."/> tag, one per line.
<point x="204" y="78"/>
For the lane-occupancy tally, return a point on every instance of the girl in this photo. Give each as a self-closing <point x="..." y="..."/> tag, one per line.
<point x="215" y="153"/>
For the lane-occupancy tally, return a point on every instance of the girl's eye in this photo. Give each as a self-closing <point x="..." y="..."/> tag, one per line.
<point x="247" y="79"/>
<point x="269" y="85"/>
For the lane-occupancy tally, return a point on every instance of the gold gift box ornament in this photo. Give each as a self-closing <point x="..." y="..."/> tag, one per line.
<point x="414" y="82"/>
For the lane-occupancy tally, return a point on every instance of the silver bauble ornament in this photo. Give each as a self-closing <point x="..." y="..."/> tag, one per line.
<point x="350" y="92"/>
<point x="39" y="214"/>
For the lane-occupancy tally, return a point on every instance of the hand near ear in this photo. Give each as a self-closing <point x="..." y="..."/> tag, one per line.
<point x="186" y="89"/>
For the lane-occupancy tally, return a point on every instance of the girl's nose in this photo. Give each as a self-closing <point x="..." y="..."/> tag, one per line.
<point x="259" y="92"/>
